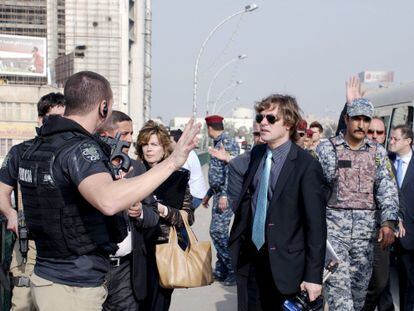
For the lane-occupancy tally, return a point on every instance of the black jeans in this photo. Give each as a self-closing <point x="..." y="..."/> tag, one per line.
<point x="119" y="284"/>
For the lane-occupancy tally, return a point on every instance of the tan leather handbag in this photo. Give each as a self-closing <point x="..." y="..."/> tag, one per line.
<point x="180" y="268"/>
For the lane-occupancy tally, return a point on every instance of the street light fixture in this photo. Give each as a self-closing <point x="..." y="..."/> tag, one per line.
<point x="234" y="100"/>
<point x="247" y="9"/>
<point x="222" y="93"/>
<point x="240" y="57"/>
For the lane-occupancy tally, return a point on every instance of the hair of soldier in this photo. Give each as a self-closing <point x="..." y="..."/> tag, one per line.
<point x="288" y="109"/>
<point x="318" y="125"/>
<point x="153" y="128"/>
<point x="176" y="134"/>
<point x="406" y="132"/>
<point x="84" y="90"/>
<point x="48" y="101"/>
<point x="111" y="123"/>
<point x="216" y="126"/>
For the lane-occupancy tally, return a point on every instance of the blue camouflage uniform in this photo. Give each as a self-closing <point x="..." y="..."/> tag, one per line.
<point x="220" y="221"/>
<point x="361" y="193"/>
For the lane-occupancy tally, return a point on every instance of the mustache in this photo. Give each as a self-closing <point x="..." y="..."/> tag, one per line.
<point x="359" y="130"/>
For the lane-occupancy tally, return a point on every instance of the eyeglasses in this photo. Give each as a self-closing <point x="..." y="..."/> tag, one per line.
<point x="375" y="131"/>
<point x="271" y="118"/>
<point x="301" y="134"/>
<point x="256" y="134"/>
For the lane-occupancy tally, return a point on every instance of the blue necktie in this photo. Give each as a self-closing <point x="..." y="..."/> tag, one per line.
<point x="399" y="172"/>
<point x="258" y="234"/>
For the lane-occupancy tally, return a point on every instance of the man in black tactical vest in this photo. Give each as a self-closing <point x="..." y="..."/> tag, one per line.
<point x="24" y="252"/>
<point x="71" y="199"/>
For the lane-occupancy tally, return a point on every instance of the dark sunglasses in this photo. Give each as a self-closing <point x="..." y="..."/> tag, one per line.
<point x="373" y="131"/>
<point x="271" y="118"/>
<point x="301" y="134"/>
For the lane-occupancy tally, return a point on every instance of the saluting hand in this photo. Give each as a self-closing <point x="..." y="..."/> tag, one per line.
<point x="353" y="89"/>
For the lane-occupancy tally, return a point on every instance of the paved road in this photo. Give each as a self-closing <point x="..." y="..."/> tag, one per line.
<point x="208" y="298"/>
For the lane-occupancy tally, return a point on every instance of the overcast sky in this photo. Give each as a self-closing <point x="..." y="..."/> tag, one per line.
<point x="306" y="48"/>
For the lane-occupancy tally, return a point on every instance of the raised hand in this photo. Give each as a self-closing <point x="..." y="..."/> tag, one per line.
<point x="187" y="142"/>
<point x="353" y="89"/>
<point x="220" y="154"/>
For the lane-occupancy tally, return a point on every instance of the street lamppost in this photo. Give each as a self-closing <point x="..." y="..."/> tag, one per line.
<point x="240" y="57"/>
<point x="222" y="93"/>
<point x="231" y="101"/>
<point x="247" y="9"/>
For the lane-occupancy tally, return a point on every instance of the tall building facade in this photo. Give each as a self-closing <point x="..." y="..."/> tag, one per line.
<point x="105" y="36"/>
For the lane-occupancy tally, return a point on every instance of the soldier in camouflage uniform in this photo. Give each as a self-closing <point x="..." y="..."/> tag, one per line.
<point x="221" y="213"/>
<point x="361" y="179"/>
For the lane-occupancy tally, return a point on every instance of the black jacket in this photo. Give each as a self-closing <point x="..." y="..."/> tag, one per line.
<point x="295" y="232"/>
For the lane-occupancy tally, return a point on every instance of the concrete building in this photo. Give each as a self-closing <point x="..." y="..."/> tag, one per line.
<point x="18" y="113"/>
<point x="104" y="36"/>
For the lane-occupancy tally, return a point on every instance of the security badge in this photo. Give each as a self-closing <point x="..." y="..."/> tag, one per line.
<point x="90" y="152"/>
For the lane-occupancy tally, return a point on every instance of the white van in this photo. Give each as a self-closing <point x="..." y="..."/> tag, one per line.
<point x="394" y="104"/>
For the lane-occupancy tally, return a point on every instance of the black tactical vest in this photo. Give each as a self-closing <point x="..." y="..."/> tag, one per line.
<point x="59" y="219"/>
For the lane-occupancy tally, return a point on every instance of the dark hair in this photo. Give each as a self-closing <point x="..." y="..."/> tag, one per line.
<point x="153" y="128"/>
<point x="288" y="109"/>
<point x="318" y="125"/>
<point x="216" y="126"/>
<point x="112" y="121"/>
<point x="406" y="132"/>
<point x="84" y="90"/>
<point x="48" y="101"/>
<point x="176" y="134"/>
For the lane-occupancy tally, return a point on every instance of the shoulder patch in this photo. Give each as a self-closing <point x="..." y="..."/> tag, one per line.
<point x="5" y="161"/>
<point x="388" y="165"/>
<point x="90" y="152"/>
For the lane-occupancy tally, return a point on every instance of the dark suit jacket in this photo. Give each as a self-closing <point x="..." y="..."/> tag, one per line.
<point x="406" y="196"/>
<point x="295" y="232"/>
<point x="139" y="252"/>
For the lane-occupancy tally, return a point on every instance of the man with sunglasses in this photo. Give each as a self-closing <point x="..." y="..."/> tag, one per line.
<point x="363" y="188"/>
<point x="279" y="229"/>
<point x="376" y="131"/>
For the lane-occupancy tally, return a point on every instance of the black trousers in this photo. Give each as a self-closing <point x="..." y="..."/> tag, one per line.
<point x="406" y="277"/>
<point x="247" y="292"/>
<point x="119" y="284"/>
<point x="158" y="298"/>
<point x="268" y="297"/>
<point x="379" y="292"/>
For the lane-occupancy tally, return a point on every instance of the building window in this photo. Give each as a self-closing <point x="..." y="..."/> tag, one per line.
<point x="18" y="112"/>
<point x="5" y="145"/>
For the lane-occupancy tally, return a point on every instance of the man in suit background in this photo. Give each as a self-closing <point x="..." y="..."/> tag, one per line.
<point x="401" y="144"/>
<point x="279" y="227"/>
<point x="127" y="278"/>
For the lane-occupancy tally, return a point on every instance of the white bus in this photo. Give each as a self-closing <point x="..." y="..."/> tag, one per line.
<point x="394" y="104"/>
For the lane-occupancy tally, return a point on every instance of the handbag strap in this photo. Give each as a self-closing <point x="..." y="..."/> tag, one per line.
<point x="172" y="238"/>
<point x="191" y="236"/>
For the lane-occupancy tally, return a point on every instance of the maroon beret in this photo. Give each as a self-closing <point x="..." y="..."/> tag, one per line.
<point x="214" y="119"/>
<point x="302" y="125"/>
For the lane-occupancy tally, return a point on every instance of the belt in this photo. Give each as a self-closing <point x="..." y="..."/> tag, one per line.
<point x="117" y="261"/>
<point x="21" y="281"/>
